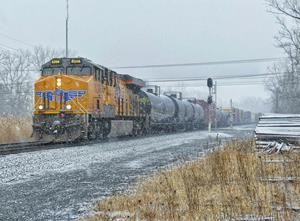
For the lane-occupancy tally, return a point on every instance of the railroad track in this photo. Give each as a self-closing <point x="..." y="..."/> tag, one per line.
<point x="12" y="148"/>
<point x="15" y="148"/>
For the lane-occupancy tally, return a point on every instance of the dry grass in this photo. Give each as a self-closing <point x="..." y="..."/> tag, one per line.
<point x="229" y="184"/>
<point x="15" y="129"/>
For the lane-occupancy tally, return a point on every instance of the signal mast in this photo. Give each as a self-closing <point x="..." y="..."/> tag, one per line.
<point x="209" y="101"/>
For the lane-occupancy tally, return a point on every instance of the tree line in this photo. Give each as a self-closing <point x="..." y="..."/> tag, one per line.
<point x="18" y="70"/>
<point x="284" y="86"/>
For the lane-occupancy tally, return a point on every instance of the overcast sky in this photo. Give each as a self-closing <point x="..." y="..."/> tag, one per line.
<point x="137" y="32"/>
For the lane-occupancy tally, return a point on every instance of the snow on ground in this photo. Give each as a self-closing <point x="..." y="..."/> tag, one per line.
<point x="26" y="166"/>
<point x="63" y="184"/>
<point x="247" y="127"/>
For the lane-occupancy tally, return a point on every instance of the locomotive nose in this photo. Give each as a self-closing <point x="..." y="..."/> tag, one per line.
<point x="62" y="93"/>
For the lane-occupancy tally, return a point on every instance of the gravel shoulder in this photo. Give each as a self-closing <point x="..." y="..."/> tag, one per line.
<point x="63" y="184"/>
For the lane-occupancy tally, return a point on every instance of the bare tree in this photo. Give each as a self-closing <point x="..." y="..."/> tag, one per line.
<point x="290" y="8"/>
<point x="1" y="55"/>
<point x="255" y="104"/>
<point x="41" y="55"/>
<point x="15" y="84"/>
<point x="285" y="85"/>
<point x="18" y="70"/>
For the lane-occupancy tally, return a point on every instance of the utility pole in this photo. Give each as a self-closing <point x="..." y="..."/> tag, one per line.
<point x="67" y="30"/>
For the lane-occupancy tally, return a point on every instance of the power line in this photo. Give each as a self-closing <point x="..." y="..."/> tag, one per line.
<point x="220" y="77"/>
<point x="255" y="60"/>
<point x="7" y="47"/>
<point x="28" y="70"/>
<point x="17" y="40"/>
<point x="219" y="85"/>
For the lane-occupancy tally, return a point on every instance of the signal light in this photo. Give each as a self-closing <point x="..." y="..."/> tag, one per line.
<point x="209" y="82"/>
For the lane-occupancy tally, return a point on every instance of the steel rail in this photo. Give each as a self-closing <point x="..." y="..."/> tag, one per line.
<point x="11" y="148"/>
<point x="15" y="148"/>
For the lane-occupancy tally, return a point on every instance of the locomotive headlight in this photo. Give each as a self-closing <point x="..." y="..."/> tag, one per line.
<point x="69" y="107"/>
<point x="41" y="107"/>
<point x="58" y="82"/>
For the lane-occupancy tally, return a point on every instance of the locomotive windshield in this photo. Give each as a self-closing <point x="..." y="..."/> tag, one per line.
<point x="79" y="70"/>
<point x="52" y="71"/>
<point x="70" y="70"/>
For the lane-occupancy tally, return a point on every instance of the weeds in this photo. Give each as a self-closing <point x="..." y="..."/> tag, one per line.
<point x="15" y="129"/>
<point x="232" y="183"/>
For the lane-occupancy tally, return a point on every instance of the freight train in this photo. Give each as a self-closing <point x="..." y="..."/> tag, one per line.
<point x="78" y="99"/>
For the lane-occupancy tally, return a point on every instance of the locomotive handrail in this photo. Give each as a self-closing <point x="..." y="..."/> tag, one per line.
<point x="36" y="103"/>
<point x="82" y="107"/>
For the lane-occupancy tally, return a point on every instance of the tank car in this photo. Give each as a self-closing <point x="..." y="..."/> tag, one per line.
<point x="223" y="118"/>
<point x="160" y="111"/>
<point x="198" y="117"/>
<point x="189" y="111"/>
<point x="188" y="115"/>
<point x="169" y="113"/>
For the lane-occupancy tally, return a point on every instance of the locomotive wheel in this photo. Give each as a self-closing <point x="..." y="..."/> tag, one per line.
<point x="37" y="135"/>
<point x="98" y="132"/>
<point x="106" y="127"/>
<point x="140" y="129"/>
<point x="92" y="131"/>
<point x="92" y="135"/>
<point x="95" y="130"/>
<point x="136" y="130"/>
<point x="146" y="128"/>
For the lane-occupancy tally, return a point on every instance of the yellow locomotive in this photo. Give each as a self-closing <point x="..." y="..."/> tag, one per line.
<point x="76" y="98"/>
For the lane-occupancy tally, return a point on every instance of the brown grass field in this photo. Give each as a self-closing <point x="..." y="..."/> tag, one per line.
<point x="15" y="129"/>
<point x="232" y="183"/>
